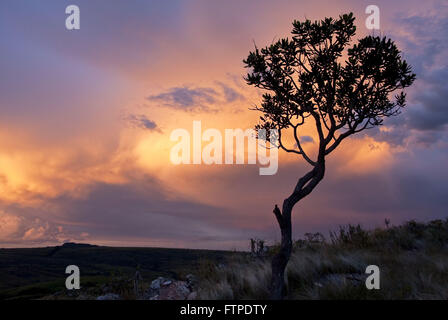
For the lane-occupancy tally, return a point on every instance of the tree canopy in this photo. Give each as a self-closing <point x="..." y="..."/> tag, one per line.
<point x="316" y="75"/>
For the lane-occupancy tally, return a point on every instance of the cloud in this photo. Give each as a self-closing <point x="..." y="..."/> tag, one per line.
<point x="186" y="98"/>
<point x="141" y="121"/>
<point x="142" y="210"/>
<point x="203" y="99"/>
<point x="58" y="183"/>
<point x="9" y="225"/>
<point x="431" y="111"/>
<point x="230" y="94"/>
<point x="424" y="121"/>
<point x="19" y="228"/>
<point x="306" y="139"/>
<point x="36" y="233"/>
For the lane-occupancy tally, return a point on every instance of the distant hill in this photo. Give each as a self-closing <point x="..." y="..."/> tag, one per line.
<point x="78" y="245"/>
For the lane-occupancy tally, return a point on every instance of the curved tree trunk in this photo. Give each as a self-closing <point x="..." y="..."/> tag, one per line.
<point x="281" y="259"/>
<point x="304" y="186"/>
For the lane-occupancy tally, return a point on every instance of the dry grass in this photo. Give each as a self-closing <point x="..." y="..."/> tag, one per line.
<point x="413" y="259"/>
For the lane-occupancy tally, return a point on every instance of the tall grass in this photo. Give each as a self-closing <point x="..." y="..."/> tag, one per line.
<point x="413" y="259"/>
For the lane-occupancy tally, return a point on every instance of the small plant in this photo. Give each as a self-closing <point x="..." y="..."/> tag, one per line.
<point x="138" y="284"/>
<point x="314" y="237"/>
<point x="257" y="248"/>
<point x="351" y="235"/>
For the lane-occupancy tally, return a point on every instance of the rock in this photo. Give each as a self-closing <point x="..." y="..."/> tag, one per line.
<point x="156" y="284"/>
<point x="168" y="289"/>
<point x="192" y="296"/>
<point x="177" y="290"/>
<point x="159" y="282"/>
<point x="154" y="288"/>
<point x="192" y="281"/>
<point x="109" y="296"/>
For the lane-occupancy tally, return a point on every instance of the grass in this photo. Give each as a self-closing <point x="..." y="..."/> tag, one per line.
<point x="413" y="260"/>
<point x="33" y="273"/>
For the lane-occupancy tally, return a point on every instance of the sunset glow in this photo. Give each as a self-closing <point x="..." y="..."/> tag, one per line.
<point x="86" y="118"/>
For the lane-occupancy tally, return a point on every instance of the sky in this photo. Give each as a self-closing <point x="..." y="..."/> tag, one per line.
<point x="86" y="117"/>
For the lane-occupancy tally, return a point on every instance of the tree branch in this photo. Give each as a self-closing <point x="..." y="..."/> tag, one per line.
<point x="302" y="152"/>
<point x="279" y="216"/>
<point x="281" y="145"/>
<point x="338" y="141"/>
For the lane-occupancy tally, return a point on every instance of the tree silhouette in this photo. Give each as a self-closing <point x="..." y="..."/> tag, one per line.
<point x="317" y="77"/>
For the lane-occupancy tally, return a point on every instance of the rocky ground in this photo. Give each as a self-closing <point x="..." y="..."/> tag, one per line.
<point x="135" y="289"/>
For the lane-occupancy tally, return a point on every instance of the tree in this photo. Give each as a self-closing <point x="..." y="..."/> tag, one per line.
<point x="319" y="77"/>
